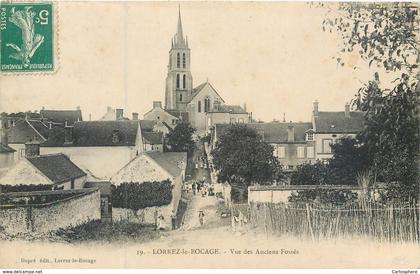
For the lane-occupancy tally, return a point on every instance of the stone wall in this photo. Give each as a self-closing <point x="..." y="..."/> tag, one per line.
<point x="82" y="207"/>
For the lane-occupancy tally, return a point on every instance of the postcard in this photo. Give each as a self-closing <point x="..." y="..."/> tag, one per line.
<point x="209" y="135"/>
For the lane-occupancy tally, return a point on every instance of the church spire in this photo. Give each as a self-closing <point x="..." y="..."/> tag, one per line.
<point x="179" y="36"/>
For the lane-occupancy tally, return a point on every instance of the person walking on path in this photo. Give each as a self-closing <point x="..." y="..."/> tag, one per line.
<point x="201" y="217"/>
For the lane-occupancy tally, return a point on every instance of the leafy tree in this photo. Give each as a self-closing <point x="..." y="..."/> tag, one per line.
<point x="386" y="35"/>
<point x="180" y="138"/>
<point x="136" y="196"/>
<point x="350" y="158"/>
<point x="242" y="157"/>
<point x="310" y="174"/>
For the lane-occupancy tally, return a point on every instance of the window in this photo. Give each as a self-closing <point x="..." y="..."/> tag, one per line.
<point x="281" y="152"/>
<point x="310" y="152"/>
<point x="184" y="81"/>
<point x="309" y="136"/>
<point x="72" y="184"/>
<point x="232" y="120"/>
<point x="207" y="105"/>
<point x="21" y="153"/>
<point x="241" y="120"/>
<point x="180" y="97"/>
<point x="199" y="106"/>
<point x="177" y="81"/>
<point x="178" y="61"/>
<point x="173" y="121"/>
<point x="301" y="152"/>
<point x="184" y="60"/>
<point x="326" y="145"/>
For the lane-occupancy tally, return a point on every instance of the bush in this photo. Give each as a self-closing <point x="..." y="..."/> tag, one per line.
<point x="24" y="188"/>
<point x="136" y="196"/>
<point x="310" y="174"/>
<point x="325" y="197"/>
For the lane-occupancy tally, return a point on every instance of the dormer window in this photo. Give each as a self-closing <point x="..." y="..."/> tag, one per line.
<point x="309" y="136"/>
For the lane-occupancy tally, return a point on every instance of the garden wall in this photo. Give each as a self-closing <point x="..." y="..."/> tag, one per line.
<point x="83" y="205"/>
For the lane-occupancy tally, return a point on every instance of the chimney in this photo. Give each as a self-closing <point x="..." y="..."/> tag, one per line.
<point x="347" y="110"/>
<point x="119" y="113"/>
<point x="290" y="133"/>
<point x="245" y="107"/>
<point x="31" y="149"/>
<point x="316" y="108"/>
<point x="108" y="109"/>
<point x="68" y="134"/>
<point x="157" y="104"/>
<point x="78" y="108"/>
<point x="135" y="116"/>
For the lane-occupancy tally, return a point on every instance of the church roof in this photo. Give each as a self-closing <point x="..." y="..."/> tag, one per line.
<point x="235" y="109"/>
<point x="200" y="87"/>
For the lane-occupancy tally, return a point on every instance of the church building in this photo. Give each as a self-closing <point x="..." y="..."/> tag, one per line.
<point x="201" y="106"/>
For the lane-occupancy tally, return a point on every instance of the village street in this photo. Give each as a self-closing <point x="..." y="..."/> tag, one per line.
<point x="198" y="202"/>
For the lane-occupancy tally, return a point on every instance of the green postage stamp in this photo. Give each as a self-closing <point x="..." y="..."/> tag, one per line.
<point x="27" y="37"/>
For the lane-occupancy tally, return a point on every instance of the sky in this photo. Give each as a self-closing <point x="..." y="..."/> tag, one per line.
<point x="272" y="56"/>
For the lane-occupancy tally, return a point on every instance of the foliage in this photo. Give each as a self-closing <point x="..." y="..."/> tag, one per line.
<point x="391" y="134"/>
<point x="241" y="156"/>
<point x="325" y="197"/>
<point x="24" y="188"/>
<point x="349" y="159"/>
<point x="136" y="196"/>
<point x="180" y="138"/>
<point x="385" y="34"/>
<point x="310" y="174"/>
<point x="99" y="231"/>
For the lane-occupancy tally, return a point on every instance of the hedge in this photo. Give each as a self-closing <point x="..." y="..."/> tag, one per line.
<point x="136" y="195"/>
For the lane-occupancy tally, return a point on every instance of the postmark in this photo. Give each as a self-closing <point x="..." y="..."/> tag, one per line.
<point x="27" y="37"/>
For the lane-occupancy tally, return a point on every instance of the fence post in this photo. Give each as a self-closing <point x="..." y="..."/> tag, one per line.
<point x="308" y="216"/>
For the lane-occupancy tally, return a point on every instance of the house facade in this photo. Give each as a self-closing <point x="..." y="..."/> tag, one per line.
<point x="153" y="167"/>
<point x="329" y="126"/>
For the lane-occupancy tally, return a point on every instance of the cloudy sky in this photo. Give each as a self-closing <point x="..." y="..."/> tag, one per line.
<point x="273" y="56"/>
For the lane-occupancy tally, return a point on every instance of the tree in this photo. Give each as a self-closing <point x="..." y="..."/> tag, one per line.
<point x="350" y="158"/>
<point x="386" y="35"/>
<point x="180" y="138"/>
<point x="383" y="34"/>
<point x="310" y="174"/>
<point x="242" y="157"/>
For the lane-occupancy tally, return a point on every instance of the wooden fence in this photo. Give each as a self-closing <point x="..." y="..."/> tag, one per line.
<point x="395" y="222"/>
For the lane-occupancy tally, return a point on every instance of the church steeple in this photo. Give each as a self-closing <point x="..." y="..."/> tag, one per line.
<point x="179" y="40"/>
<point x="179" y="79"/>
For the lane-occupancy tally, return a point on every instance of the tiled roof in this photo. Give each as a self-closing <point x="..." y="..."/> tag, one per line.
<point x="336" y="122"/>
<point x="272" y="132"/>
<point x="60" y="116"/>
<point x="25" y="130"/>
<point x="6" y="149"/>
<point x="98" y="133"/>
<point x="170" y="161"/>
<point x="236" y="109"/>
<point x="147" y="125"/>
<point x="154" y="138"/>
<point x="57" y="167"/>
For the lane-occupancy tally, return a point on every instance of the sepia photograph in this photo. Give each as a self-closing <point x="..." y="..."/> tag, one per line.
<point x="209" y="135"/>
